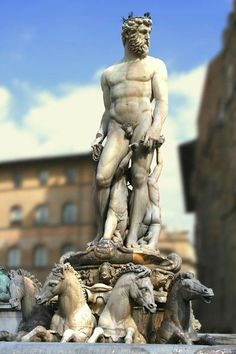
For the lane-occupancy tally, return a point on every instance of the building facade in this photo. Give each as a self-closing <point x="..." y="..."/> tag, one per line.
<point x="178" y="242"/>
<point x="46" y="209"/>
<point x="211" y="186"/>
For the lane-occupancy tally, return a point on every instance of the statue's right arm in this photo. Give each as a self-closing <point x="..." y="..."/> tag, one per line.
<point x="102" y="132"/>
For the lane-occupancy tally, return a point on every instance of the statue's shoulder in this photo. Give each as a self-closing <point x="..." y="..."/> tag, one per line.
<point x="112" y="68"/>
<point x="109" y="70"/>
<point x="157" y="65"/>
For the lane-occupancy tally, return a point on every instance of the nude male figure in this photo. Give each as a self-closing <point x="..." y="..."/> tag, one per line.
<point x="129" y="87"/>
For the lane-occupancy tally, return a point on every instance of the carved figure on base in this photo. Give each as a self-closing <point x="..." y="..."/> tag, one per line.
<point x="73" y="320"/>
<point x="115" y="322"/>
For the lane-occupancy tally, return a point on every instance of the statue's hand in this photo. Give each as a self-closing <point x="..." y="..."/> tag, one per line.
<point x="97" y="146"/>
<point x="151" y="138"/>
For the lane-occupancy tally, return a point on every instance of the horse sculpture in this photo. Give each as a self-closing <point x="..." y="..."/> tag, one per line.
<point x="115" y="322"/>
<point x="74" y="320"/>
<point x="23" y="287"/>
<point x="177" y="325"/>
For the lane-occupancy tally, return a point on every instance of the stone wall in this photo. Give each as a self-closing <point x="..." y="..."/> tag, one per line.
<point x="214" y="187"/>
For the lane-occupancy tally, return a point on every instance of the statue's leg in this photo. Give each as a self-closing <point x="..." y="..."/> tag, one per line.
<point x="40" y="332"/>
<point x="141" y="163"/>
<point x="7" y="336"/>
<point x="129" y="338"/>
<point x="79" y="336"/>
<point x="67" y="335"/>
<point x="98" y="332"/>
<point x="139" y="170"/>
<point x="110" y="225"/>
<point x="114" y="150"/>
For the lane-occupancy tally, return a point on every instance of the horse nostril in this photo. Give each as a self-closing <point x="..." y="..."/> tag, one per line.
<point x="205" y="290"/>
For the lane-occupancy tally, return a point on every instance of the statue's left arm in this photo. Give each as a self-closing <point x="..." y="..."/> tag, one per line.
<point x="160" y="95"/>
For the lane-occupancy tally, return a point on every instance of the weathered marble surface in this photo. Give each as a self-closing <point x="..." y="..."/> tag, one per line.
<point x="9" y="319"/>
<point x="77" y="348"/>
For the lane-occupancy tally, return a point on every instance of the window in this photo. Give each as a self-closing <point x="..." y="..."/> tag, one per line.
<point x="67" y="248"/>
<point x="40" y="257"/>
<point x="41" y="215"/>
<point x="70" y="175"/>
<point x="43" y="177"/>
<point x="69" y="213"/>
<point x="14" y="257"/>
<point x="17" y="179"/>
<point x="16" y="215"/>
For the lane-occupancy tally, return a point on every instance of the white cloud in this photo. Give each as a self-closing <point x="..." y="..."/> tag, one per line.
<point x="180" y="127"/>
<point x="68" y="123"/>
<point x="5" y="100"/>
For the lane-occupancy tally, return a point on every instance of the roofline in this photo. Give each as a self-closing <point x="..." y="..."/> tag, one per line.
<point x="48" y="158"/>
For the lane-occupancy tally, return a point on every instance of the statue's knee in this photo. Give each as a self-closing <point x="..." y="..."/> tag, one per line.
<point x="102" y="180"/>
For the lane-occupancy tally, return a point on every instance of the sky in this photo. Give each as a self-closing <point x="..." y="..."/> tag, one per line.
<point x="52" y="54"/>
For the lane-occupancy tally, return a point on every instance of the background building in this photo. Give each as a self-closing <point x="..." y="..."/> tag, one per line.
<point x="210" y="185"/>
<point x="178" y="242"/>
<point x="46" y="209"/>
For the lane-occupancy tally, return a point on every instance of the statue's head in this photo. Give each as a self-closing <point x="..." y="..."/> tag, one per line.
<point x="2" y="270"/>
<point x="106" y="272"/>
<point x="136" y="34"/>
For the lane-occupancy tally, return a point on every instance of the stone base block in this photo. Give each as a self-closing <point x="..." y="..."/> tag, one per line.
<point x="9" y="319"/>
<point x="79" y="348"/>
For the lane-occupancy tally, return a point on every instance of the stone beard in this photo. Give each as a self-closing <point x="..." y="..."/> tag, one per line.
<point x="133" y="31"/>
<point x="138" y="45"/>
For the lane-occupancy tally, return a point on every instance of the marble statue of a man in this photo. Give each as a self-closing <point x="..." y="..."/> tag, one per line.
<point x="129" y="88"/>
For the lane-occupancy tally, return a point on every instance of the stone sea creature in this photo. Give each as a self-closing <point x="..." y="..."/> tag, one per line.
<point x="116" y="323"/>
<point x="73" y="321"/>
<point x="177" y="325"/>
<point x="23" y="287"/>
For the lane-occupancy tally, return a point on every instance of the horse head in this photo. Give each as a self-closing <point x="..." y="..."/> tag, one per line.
<point x="192" y="289"/>
<point x="141" y="288"/>
<point x="16" y="288"/>
<point x="56" y="282"/>
<point x="22" y="286"/>
<point x="53" y="284"/>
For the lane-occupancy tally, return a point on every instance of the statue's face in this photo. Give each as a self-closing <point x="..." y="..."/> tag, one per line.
<point x="138" y="40"/>
<point x="104" y="272"/>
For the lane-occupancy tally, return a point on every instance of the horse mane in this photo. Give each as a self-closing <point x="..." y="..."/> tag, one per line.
<point x="180" y="276"/>
<point x="58" y="269"/>
<point x="141" y="270"/>
<point x="25" y="273"/>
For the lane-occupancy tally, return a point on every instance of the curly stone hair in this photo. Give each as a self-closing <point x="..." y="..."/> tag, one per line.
<point x="138" y="269"/>
<point x="131" y="24"/>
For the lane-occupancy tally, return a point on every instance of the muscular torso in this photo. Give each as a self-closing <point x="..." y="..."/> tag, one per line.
<point x="130" y="85"/>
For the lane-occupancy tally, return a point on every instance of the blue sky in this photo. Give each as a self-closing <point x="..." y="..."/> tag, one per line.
<point x="53" y="51"/>
<point x="49" y="42"/>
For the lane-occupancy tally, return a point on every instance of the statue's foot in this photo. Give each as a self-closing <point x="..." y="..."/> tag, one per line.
<point x="131" y="241"/>
<point x="95" y="241"/>
<point x="132" y="245"/>
<point x="151" y="247"/>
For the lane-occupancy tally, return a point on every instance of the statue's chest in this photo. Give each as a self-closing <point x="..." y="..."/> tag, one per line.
<point x="130" y="72"/>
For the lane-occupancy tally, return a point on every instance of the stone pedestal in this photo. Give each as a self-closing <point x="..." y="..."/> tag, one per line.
<point x="98" y="348"/>
<point x="9" y="318"/>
